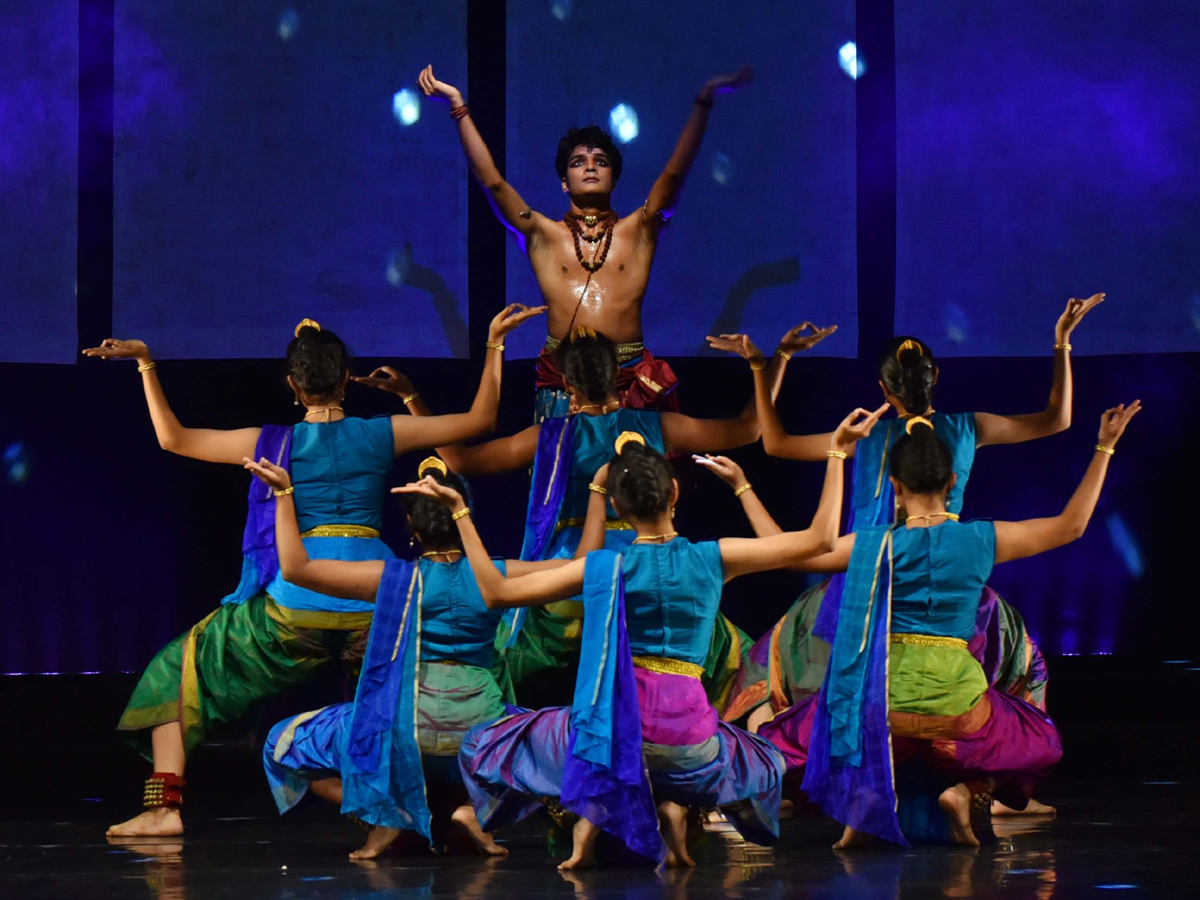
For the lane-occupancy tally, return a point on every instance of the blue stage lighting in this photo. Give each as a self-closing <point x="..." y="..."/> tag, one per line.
<point x="289" y="24"/>
<point x="1125" y="544"/>
<point x="561" y="9"/>
<point x="722" y="169"/>
<point x="623" y="122"/>
<point x="852" y="64"/>
<point x="399" y="265"/>
<point x="16" y="462"/>
<point x="406" y="106"/>
<point x="957" y="323"/>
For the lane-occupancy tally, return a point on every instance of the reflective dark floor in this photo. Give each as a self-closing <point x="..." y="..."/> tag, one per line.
<point x="1139" y="844"/>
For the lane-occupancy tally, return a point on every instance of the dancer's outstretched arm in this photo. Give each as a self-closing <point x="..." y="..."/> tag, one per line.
<point x="353" y="580"/>
<point x="664" y="195"/>
<point x="208" y="444"/>
<point x="1016" y="540"/>
<point x="767" y="382"/>
<point x="995" y="429"/>
<point x="731" y="473"/>
<point x="744" y="555"/>
<point x="507" y="204"/>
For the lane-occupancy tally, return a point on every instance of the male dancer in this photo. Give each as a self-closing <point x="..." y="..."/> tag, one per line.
<point x="592" y="265"/>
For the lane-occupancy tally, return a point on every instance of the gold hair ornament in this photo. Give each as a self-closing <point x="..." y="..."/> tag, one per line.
<point x="431" y="463"/>
<point x="310" y="323"/>
<point x="908" y="426"/>
<point x="583" y="331"/>
<point x="909" y="344"/>
<point x="625" y="437"/>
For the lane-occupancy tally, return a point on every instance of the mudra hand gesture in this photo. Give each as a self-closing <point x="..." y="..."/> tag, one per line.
<point x="724" y="468"/>
<point x="1113" y="422"/>
<point x="854" y="428"/>
<point x="273" y="476"/>
<point x="438" y="90"/>
<point x="431" y="487"/>
<point x="803" y="337"/>
<point x="728" y="83"/>
<point x="1073" y="315"/>
<point x="736" y="343"/>
<point x="385" y="378"/>
<point x="510" y="318"/>
<point x="115" y="348"/>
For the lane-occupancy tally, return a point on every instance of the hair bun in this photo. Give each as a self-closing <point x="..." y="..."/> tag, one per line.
<point x="307" y="323"/>
<point x="626" y="437"/>
<point x="909" y="344"/>
<point x="431" y="464"/>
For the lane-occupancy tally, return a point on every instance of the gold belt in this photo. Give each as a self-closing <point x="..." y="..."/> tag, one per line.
<point x="666" y="666"/>
<point x="356" y="531"/>
<point x="609" y="524"/>
<point x="445" y="662"/>
<point x="928" y="640"/>
<point x="625" y="352"/>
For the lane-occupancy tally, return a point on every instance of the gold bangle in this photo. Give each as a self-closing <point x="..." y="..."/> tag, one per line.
<point x="1062" y="346"/>
<point x="757" y="365"/>
<point x="835" y="454"/>
<point x="1109" y="450"/>
<point x="465" y="511"/>
<point x="596" y="488"/>
<point x="291" y="489"/>
<point x="783" y="354"/>
<point x="745" y="487"/>
<point x="148" y="366"/>
<point x="411" y="397"/>
<point x="492" y="345"/>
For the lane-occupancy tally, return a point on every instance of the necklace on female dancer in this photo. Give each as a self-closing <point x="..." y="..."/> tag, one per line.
<point x="603" y="407"/>
<point x="328" y="410"/>
<point x="430" y="553"/>
<point x="656" y="537"/>
<point x="953" y="517"/>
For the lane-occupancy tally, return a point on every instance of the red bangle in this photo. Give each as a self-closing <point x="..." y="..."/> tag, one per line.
<point x="460" y="112"/>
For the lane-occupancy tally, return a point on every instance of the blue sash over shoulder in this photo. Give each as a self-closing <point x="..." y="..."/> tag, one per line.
<point x="260" y="560"/>
<point x="849" y="771"/>
<point x="604" y="777"/>
<point x="551" y="472"/>
<point x="382" y="779"/>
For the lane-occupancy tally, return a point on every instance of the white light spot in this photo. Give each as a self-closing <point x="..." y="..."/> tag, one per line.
<point x="562" y="9"/>
<point x="623" y="122"/>
<point x="406" y="106"/>
<point x="399" y="265"/>
<point x="958" y="327"/>
<point x="289" y="24"/>
<point x="852" y="64"/>
<point x="722" y="169"/>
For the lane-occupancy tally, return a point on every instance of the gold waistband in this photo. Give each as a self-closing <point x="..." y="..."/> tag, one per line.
<point x="609" y="524"/>
<point x="358" y="531"/>
<point x="445" y="662"/>
<point x="928" y="640"/>
<point x="665" y="666"/>
<point x="625" y="352"/>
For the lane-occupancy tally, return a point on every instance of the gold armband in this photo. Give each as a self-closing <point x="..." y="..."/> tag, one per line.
<point x="465" y="511"/>
<point x="835" y="454"/>
<point x="745" y="487"/>
<point x="1109" y="450"/>
<point x="597" y="488"/>
<point x="148" y="366"/>
<point x="291" y="489"/>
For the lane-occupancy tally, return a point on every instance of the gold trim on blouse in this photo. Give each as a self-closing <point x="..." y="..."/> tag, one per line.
<point x="666" y="666"/>
<point x="354" y="531"/>
<point x="928" y="640"/>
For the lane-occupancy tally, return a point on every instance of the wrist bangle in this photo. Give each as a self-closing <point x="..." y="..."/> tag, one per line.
<point x="835" y="454"/>
<point x="1109" y="450"/>
<point x="757" y="365"/>
<point x="704" y="102"/>
<point x="287" y="490"/>
<point x="460" y="112"/>
<point x="745" y="487"/>
<point x="148" y="366"/>
<point x="465" y="511"/>
<point x="1062" y="347"/>
<point x="492" y="345"/>
<point x="411" y="397"/>
<point x="784" y="355"/>
<point x="597" y="489"/>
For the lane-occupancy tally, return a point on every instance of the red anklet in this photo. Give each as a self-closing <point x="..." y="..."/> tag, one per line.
<point x="163" y="789"/>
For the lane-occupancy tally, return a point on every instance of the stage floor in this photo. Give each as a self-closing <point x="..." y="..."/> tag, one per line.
<point x="1138" y="845"/>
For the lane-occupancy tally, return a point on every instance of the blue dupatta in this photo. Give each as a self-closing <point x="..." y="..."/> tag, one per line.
<point x="382" y="779"/>
<point x="260" y="560"/>
<point x="604" y="777"/>
<point x="551" y="472"/>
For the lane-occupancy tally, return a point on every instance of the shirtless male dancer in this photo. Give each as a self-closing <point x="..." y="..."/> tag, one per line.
<point x="591" y="265"/>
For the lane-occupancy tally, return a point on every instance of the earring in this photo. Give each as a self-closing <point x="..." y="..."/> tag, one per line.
<point x="412" y="542"/>
<point x="672" y="512"/>
<point x="295" y="400"/>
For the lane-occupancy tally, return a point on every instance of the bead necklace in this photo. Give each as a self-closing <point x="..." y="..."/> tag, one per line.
<point x="606" y="221"/>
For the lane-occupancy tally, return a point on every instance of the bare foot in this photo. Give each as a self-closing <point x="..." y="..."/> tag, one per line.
<point x="1032" y="808"/>
<point x="583" y="854"/>
<point x="955" y="802"/>
<point x="379" y="838"/>
<point x="759" y="717"/>
<point x="464" y="817"/>
<point x="674" y="828"/>
<point x="853" y="838"/>
<point x="163" y="821"/>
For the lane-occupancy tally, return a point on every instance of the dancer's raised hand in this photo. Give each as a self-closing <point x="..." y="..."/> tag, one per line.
<point x="275" y="477"/>
<point x="114" y="348"/>
<point x="510" y="318"/>
<point x="855" y="427"/>
<point x="385" y="378"/>
<point x="438" y="90"/>
<point x="431" y="487"/>
<point x="1113" y="422"/>
<point x="736" y="343"/>
<point x="1073" y="315"/>
<point x="727" y="83"/>
<point x="724" y="468"/>
<point x="803" y="337"/>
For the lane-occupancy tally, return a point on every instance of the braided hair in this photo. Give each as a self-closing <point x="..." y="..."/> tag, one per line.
<point x="640" y="481"/>
<point x="907" y="369"/>
<point x="589" y="364"/>
<point x="921" y="461"/>
<point x="317" y="360"/>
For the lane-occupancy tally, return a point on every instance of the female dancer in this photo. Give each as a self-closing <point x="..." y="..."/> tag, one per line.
<point x="269" y="635"/>
<point x="447" y="666"/>
<point x="786" y="665"/>
<point x="905" y="709"/>
<point x="653" y="607"/>
<point x="565" y="452"/>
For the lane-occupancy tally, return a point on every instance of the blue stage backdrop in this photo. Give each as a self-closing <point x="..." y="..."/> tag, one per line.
<point x="764" y="236"/>
<point x="1048" y="150"/>
<point x="276" y="162"/>
<point x="39" y="161"/>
